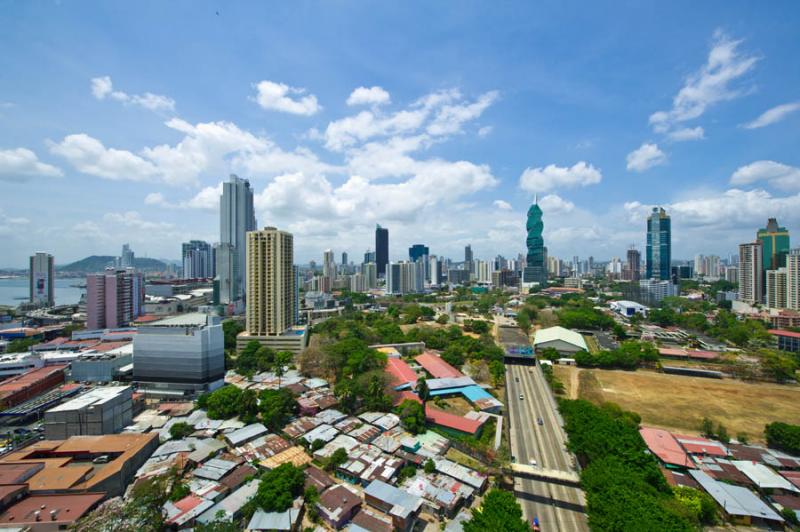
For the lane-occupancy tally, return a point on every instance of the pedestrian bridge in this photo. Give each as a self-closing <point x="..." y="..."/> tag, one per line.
<point x="557" y="476"/>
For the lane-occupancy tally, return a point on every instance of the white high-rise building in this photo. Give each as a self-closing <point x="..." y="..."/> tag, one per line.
<point x="750" y="272"/>
<point x="777" y="291"/>
<point x="237" y="217"/>
<point x="41" y="279"/>
<point x="482" y="269"/>
<point x="793" y="279"/>
<point x="405" y="277"/>
<point x="434" y="271"/>
<point x="369" y="271"/>
<point x="328" y="264"/>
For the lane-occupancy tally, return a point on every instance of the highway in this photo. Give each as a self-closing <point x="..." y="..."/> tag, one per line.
<point x="558" y="507"/>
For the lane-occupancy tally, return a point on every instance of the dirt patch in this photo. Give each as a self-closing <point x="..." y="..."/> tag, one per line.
<point x="454" y="405"/>
<point x="680" y="403"/>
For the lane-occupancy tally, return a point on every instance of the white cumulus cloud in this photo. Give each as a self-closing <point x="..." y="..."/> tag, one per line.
<point x="776" y="174"/>
<point x="644" y="157"/>
<point x="776" y="114"/>
<point x="368" y="96"/>
<point x="554" y="204"/>
<point x="713" y="83"/>
<point x="554" y="177"/>
<point x="502" y="205"/>
<point x="90" y="156"/>
<point x="103" y="87"/>
<point x="274" y="96"/>
<point x="21" y="163"/>
<point x="687" y="133"/>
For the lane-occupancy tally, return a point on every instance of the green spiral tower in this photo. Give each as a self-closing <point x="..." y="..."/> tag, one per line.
<point x="535" y="269"/>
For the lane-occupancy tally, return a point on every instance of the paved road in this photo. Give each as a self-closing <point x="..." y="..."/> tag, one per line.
<point x="558" y="507"/>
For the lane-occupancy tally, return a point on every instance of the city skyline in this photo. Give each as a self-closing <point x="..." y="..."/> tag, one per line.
<point x="703" y="127"/>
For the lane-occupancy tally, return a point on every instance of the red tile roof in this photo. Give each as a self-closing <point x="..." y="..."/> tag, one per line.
<point x="662" y="444"/>
<point x="452" y="421"/>
<point x="400" y="371"/>
<point x="781" y="332"/>
<point x="437" y="367"/>
<point x="791" y="476"/>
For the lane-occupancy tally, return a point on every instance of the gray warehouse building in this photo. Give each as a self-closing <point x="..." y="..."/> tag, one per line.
<point x="179" y="356"/>
<point x="100" y="411"/>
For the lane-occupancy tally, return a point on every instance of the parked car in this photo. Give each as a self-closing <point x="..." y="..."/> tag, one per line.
<point x="520" y="397"/>
<point x="540" y="421"/>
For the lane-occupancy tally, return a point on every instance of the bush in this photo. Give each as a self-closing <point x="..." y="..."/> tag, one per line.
<point x="180" y="430"/>
<point x="783" y="436"/>
<point x="412" y="416"/>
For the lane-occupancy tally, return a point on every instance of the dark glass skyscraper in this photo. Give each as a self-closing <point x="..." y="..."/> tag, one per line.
<point x="381" y="249"/>
<point x="659" y="245"/>
<point x="468" y="257"/>
<point x="535" y="269"/>
<point x="417" y="251"/>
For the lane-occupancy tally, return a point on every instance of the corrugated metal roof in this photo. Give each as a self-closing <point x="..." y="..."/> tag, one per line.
<point x="763" y="476"/>
<point x="262" y="520"/>
<point x="734" y="499"/>
<point x="560" y="333"/>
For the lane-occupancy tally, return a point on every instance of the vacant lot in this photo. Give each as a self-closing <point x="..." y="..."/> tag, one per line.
<point x="680" y="403"/>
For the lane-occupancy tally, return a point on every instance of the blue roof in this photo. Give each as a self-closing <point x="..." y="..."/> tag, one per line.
<point x="472" y="393"/>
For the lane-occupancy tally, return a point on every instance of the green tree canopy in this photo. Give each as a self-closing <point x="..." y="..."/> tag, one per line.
<point x="278" y="488"/>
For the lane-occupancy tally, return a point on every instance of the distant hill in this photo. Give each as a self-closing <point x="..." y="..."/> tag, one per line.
<point x="97" y="263"/>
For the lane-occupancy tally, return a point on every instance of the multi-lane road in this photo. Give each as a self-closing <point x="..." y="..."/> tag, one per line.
<point x="557" y="506"/>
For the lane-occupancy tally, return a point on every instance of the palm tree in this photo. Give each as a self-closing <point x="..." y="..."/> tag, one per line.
<point x="282" y="359"/>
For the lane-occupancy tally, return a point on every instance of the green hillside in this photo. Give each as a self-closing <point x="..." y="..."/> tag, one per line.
<point x="97" y="263"/>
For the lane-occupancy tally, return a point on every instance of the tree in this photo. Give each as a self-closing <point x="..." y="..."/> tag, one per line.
<point x="707" y="428"/>
<point x="454" y="355"/>
<point x="277" y="407"/>
<point x="422" y="390"/>
<point x="499" y="512"/>
<point x="248" y="406"/>
<point x="722" y="433"/>
<point x="430" y="467"/>
<point x="317" y="444"/>
<point x="278" y="488"/>
<point x="742" y="437"/>
<point x="780" y="366"/>
<point x="311" y="498"/>
<point x="223" y="403"/>
<point x="282" y="359"/>
<point x="783" y="436"/>
<point x="336" y="459"/>
<point x="498" y="372"/>
<point x="442" y="319"/>
<point x="231" y="329"/>
<point x="524" y="322"/>
<point x="180" y="430"/>
<point x="412" y="416"/>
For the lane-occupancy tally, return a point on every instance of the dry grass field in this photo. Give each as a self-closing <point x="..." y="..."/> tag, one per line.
<point x="680" y="403"/>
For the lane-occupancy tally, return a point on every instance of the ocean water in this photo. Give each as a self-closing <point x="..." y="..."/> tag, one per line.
<point x="65" y="293"/>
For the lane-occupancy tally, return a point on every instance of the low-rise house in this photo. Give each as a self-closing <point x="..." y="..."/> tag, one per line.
<point x="331" y="416"/>
<point x="347" y="424"/>
<point x="43" y="513"/>
<point x="443" y="495"/>
<point x="401" y="506"/>
<point x="740" y="505"/>
<point x="318" y="478"/>
<point x="365" y="433"/>
<point x="215" y="469"/>
<point x="366" y="521"/>
<point x="290" y="520"/>
<point x="246" y="434"/>
<point x="182" y="513"/>
<point x="294" y="455"/>
<point x="230" y="507"/>
<point x="366" y="463"/>
<point x="338" y="504"/>
<point x="342" y="441"/>
<point x="765" y="478"/>
<point x="463" y="474"/>
<point x="237" y="477"/>
<point x="300" y="426"/>
<point x="323" y="432"/>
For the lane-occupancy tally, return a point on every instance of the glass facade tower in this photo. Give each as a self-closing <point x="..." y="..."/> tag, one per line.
<point x="659" y="245"/>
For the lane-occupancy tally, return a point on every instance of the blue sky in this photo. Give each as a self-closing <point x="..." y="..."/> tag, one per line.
<point x="119" y="120"/>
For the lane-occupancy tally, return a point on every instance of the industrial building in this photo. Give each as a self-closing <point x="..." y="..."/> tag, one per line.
<point x="561" y="339"/>
<point x="177" y="356"/>
<point x="100" y="411"/>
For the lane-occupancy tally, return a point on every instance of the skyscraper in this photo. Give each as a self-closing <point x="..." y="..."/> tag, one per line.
<point x="270" y="282"/>
<point x="127" y="259"/>
<point x="197" y="262"/>
<point x="775" y="245"/>
<point x="381" y="249"/>
<point x="417" y="252"/>
<point x="237" y="217"/>
<point x="114" y="298"/>
<point x="535" y="271"/>
<point x="468" y="257"/>
<point x="328" y="264"/>
<point x="776" y="288"/>
<point x="345" y="262"/>
<point x="41" y="279"/>
<point x="633" y="268"/>
<point x="659" y="245"/>
<point x="751" y="267"/>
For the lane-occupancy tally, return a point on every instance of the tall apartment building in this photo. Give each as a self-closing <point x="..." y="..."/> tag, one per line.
<point x="777" y="291"/>
<point x="328" y="264"/>
<point x="197" y="259"/>
<point x="750" y="273"/>
<point x="468" y="258"/>
<point x="793" y="279"/>
<point x="270" y="282"/>
<point x="381" y="249"/>
<point x="41" y="279"/>
<point x="659" y="245"/>
<point x="732" y="274"/>
<point x="114" y="298"/>
<point x="405" y="277"/>
<point x="434" y="270"/>
<point x="237" y="217"/>
<point x="369" y="271"/>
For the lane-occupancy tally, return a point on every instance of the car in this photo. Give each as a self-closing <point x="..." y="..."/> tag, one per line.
<point x="540" y="421"/>
<point x="533" y="462"/>
<point x="516" y="379"/>
<point x="521" y="397"/>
